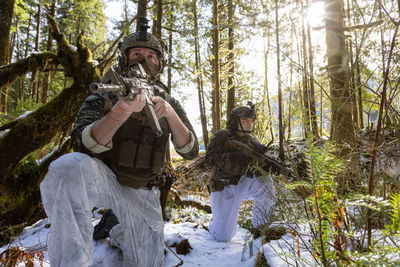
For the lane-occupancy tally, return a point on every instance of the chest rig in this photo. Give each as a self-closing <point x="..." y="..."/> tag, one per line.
<point x="138" y="154"/>
<point x="220" y="176"/>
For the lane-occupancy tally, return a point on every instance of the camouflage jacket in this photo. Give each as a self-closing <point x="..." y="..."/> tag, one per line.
<point x="93" y="109"/>
<point x="229" y="164"/>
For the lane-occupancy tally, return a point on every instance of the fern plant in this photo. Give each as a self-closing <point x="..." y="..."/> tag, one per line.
<point x="394" y="227"/>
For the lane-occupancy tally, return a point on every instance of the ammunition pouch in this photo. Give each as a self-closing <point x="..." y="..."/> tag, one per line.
<point x="138" y="154"/>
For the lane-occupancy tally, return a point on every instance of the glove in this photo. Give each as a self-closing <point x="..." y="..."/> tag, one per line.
<point x="270" y="168"/>
<point x="260" y="148"/>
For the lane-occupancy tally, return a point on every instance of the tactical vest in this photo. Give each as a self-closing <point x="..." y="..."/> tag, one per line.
<point x="219" y="177"/>
<point x="138" y="154"/>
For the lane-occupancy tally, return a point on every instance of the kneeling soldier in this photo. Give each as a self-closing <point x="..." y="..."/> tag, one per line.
<point x="232" y="181"/>
<point x="116" y="166"/>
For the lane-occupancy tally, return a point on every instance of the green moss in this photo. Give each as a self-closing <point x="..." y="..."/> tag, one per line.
<point x="275" y="233"/>
<point x="261" y="261"/>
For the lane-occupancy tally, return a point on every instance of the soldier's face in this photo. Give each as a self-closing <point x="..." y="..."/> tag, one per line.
<point x="149" y="54"/>
<point x="247" y="124"/>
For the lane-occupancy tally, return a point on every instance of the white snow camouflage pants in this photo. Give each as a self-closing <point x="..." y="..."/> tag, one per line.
<point x="225" y="205"/>
<point x="74" y="185"/>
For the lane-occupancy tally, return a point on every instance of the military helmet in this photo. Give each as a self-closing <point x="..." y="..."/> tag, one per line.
<point x="241" y="112"/>
<point x="146" y="40"/>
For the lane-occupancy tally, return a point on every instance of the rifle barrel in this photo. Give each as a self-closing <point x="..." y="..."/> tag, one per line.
<point x="105" y="87"/>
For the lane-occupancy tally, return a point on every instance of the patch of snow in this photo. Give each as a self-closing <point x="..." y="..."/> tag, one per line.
<point x="4" y="132"/>
<point x="55" y="149"/>
<point x="25" y="114"/>
<point x="196" y="198"/>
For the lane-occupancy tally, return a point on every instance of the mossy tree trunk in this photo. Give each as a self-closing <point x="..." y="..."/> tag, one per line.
<point x="41" y="126"/>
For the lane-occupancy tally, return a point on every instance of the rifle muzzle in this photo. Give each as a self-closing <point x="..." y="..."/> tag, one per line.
<point x="104" y="87"/>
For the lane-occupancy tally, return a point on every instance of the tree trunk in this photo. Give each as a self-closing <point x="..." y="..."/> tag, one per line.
<point x="278" y="67"/>
<point x="266" y="88"/>
<point x="289" y="130"/>
<point x="359" y="91"/>
<point x="199" y="78"/>
<point x="33" y="87"/>
<point x="313" y="112"/>
<point x="231" y="63"/>
<point x="342" y="130"/>
<point x="157" y="22"/>
<point x="306" y="93"/>
<point x="216" y="71"/>
<point x="28" y="34"/>
<point x="126" y="10"/>
<point x="352" y="78"/>
<point x="170" y="60"/>
<point x="47" y="75"/>
<point x="20" y="91"/>
<point x="6" y="14"/>
<point x="141" y="13"/>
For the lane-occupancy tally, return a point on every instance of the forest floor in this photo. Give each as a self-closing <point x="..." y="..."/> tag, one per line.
<point x="189" y="214"/>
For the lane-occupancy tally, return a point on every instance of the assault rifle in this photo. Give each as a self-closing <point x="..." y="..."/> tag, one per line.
<point x="258" y="157"/>
<point x="128" y="87"/>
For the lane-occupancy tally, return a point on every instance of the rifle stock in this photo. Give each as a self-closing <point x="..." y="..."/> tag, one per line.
<point x="256" y="156"/>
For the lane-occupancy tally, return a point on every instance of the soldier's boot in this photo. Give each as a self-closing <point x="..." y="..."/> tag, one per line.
<point x="102" y="229"/>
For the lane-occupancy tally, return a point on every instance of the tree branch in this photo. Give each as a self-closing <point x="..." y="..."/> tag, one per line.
<point x="11" y="72"/>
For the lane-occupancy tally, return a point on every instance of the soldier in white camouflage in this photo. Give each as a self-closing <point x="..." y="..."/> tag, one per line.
<point x="233" y="181"/>
<point x="116" y="164"/>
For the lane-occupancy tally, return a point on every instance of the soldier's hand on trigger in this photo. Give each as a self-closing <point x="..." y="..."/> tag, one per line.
<point x="162" y="108"/>
<point x="135" y="105"/>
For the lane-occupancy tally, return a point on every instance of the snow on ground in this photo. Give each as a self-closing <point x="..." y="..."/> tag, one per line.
<point x="206" y="251"/>
<point x="241" y="251"/>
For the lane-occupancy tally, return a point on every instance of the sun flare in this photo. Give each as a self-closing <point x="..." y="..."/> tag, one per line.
<point x="314" y="14"/>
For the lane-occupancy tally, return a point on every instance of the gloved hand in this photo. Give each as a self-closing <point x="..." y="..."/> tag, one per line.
<point x="270" y="168"/>
<point x="260" y="148"/>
